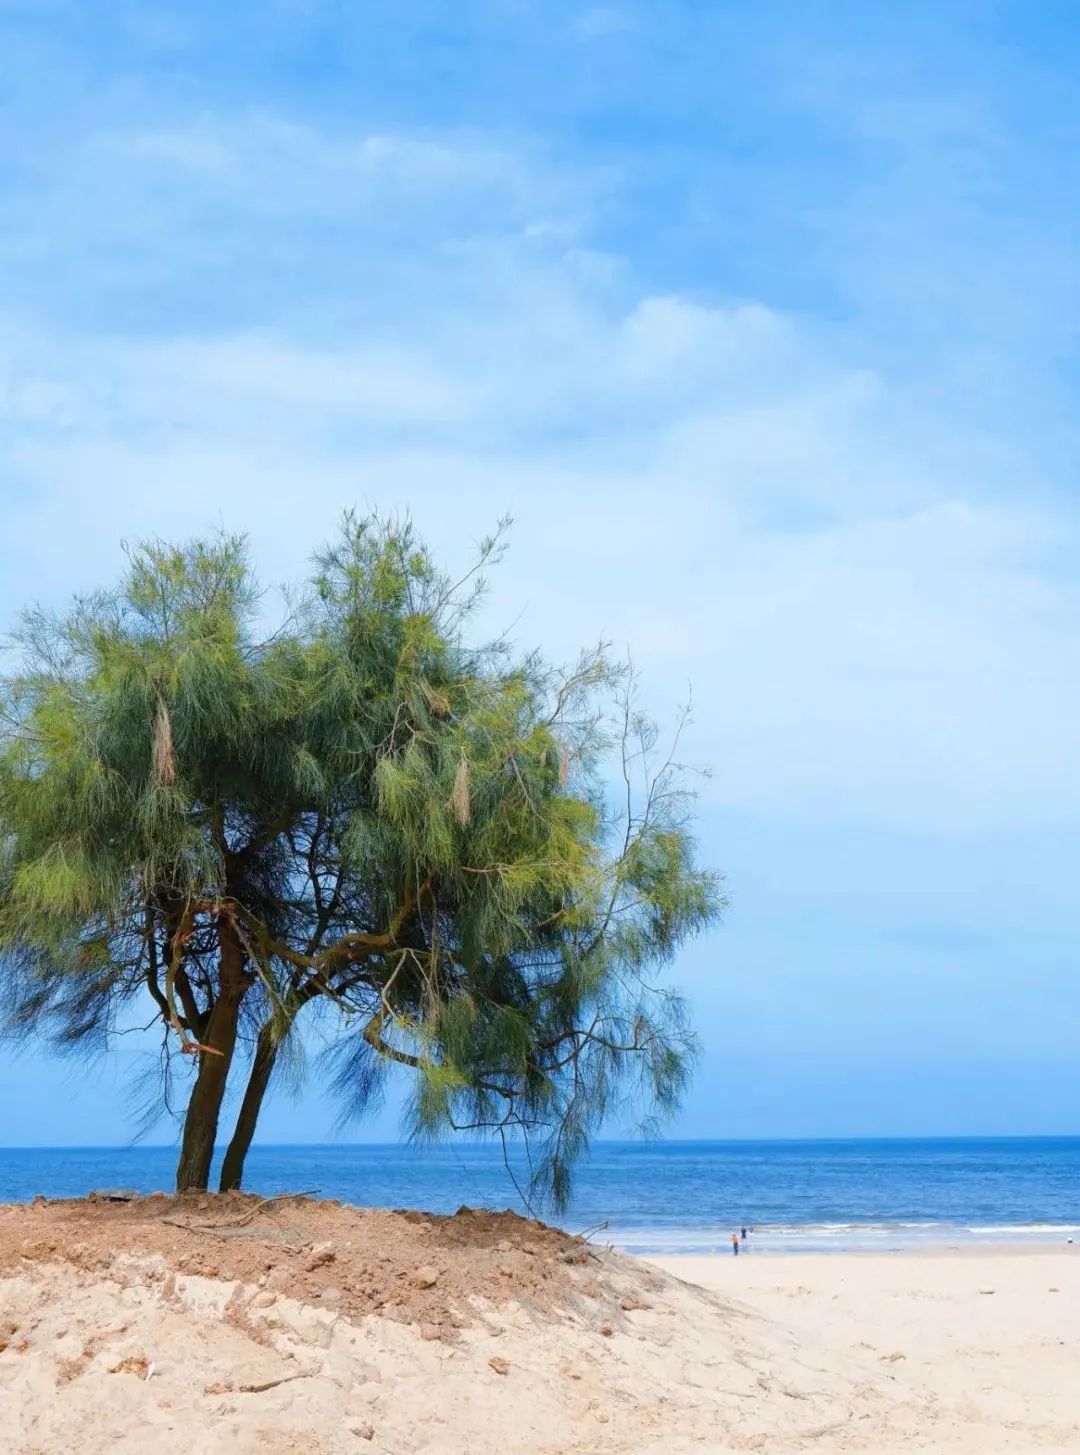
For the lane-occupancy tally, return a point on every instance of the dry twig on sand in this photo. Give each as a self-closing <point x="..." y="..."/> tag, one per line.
<point x="241" y="1222"/>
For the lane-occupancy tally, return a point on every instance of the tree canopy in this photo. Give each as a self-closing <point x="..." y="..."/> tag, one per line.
<point x="469" y="863"/>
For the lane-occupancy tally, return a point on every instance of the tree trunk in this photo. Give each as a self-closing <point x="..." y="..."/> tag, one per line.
<point x="204" y="1108"/>
<point x="262" y="1068"/>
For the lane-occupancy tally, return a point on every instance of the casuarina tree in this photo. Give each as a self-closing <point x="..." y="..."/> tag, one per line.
<point x="450" y="859"/>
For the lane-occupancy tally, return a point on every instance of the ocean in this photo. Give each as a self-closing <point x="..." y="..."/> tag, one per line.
<point x="666" y="1196"/>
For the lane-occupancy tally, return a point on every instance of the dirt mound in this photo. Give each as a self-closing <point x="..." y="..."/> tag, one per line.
<point x="409" y="1266"/>
<point x="198" y="1324"/>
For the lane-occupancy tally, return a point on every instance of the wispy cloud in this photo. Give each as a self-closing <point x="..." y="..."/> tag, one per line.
<point x="854" y="610"/>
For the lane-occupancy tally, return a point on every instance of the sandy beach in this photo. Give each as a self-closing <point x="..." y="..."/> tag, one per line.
<point x="946" y="1350"/>
<point x="179" y="1326"/>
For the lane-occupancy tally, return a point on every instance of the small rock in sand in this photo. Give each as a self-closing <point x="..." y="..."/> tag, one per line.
<point x="606" y="1330"/>
<point x="319" y="1256"/>
<point x="987" y="1290"/>
<point x="425" y="1276"/>
<point x="364" y="1432"/>
<point x="499" y="1364"/>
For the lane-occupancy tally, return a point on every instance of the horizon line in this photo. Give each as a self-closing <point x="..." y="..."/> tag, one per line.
<point x="599" y="1142"/>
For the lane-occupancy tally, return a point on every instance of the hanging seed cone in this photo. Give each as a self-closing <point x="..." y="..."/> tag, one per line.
<point x="164" y="760"/>
<point x="460" y="802"/>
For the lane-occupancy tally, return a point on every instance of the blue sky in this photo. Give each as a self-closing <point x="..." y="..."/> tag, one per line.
<point x="760" y="318"/>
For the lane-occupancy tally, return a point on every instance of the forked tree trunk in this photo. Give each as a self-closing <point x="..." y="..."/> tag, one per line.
<point x="262" y="1068"/>
<point x="204" y="1108"/>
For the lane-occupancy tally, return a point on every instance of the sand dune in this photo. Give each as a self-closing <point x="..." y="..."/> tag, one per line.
<point x="298" y="1326"/>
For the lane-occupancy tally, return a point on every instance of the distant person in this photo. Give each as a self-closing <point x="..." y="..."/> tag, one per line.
<point x="735" y="1244"/>
<point x="743" y="1231"/>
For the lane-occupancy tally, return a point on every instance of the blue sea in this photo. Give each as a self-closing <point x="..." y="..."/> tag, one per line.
<point x="666" y="1196"/>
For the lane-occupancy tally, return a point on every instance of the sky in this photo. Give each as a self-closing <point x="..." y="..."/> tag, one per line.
<point x="759" y="318"/>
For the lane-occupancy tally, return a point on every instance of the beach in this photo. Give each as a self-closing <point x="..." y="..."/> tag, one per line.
<point x="945" y="1349"/>
<point x="272" y="1326"/>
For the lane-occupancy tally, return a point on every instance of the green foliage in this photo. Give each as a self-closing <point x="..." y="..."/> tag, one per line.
<point x="417" y="837"/>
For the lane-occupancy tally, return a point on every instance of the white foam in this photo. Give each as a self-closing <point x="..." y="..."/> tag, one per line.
<point x="836" y="1237"/>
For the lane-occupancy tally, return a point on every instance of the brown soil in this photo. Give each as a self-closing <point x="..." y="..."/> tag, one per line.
<point x="411" y="1267"/>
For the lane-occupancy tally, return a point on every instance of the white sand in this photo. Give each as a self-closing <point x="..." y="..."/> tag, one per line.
<point x="973" y="1351"/>
<point x="786" y="1354"/>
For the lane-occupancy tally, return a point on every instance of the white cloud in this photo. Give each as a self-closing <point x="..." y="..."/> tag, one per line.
<point x="283" y="166"/>
<point x="895" y="654"/>
<point x="847" y="567"/>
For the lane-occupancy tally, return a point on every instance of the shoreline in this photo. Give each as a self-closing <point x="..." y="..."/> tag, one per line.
<point x="1005" y="1248"/>
<point x="844" y="1240"/>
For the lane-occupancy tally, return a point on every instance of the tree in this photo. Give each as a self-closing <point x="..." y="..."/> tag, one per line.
<point x="358" y="813"/>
